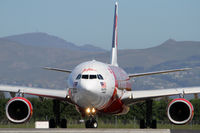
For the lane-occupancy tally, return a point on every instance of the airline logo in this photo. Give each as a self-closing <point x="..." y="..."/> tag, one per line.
<point x="89" y="69"/>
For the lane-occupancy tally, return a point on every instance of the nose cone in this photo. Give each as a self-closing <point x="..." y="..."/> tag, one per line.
<point x="90" y="86"/>
<point x="88" y="94"/>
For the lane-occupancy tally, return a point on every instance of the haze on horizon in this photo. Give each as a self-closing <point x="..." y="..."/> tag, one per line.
<point x="142" y="24"/>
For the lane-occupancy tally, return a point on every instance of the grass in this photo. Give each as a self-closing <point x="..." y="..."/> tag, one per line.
<point x="11" y="125"/>
<point x="107" y="125"/>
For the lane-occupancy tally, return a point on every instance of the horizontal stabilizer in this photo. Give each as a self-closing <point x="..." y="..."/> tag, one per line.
<point x="57" y="69"/>
<point x="157" y="72"/>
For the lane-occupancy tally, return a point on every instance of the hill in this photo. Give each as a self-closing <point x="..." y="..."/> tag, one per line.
<point x="46" y="40"/>
<point x="22" y="56"/>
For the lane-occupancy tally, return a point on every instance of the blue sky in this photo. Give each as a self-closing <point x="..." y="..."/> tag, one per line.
<point x="142" y="23"/>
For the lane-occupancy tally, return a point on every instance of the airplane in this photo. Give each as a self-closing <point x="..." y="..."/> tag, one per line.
<point x="95" y="86"/>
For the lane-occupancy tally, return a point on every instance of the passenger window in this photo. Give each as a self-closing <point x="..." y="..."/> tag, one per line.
<point x="99" y="76"/>
<point x="93" y="76"/>
<point x="79" y="76"/>
<point x="84" y="76"/>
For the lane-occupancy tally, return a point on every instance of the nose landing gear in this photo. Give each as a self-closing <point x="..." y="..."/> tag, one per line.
<point x="91" y="123"/>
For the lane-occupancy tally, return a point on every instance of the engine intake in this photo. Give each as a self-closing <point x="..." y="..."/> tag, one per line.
<point x="180" y="111"/>
<point x="19" y="110"/>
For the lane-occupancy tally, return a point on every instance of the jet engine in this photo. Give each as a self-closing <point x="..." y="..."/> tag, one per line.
<point x="180" y="111"/>
<point x="19" y="110"/>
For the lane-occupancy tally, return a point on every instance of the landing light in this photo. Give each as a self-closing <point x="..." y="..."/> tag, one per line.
<point x="93" y="110"/>
<point x="88" y="110"/>
<point x="131" y="96"/>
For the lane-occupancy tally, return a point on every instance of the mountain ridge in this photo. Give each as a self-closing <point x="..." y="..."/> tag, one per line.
<point x="46" y="40"/>
<point x="20" y="64"/>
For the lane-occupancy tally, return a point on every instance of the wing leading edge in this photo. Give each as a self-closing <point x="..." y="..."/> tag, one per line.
<point x="50" y="93"/>
<point x="157" y="72"/>
<point x="131" y="97"/>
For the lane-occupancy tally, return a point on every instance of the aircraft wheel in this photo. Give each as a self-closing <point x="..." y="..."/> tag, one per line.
<point x="91" y="123"/>
<point x="142" y="124"/>
<point x="88" y="124"/>
<point x="154" y="124"/>
<point x="63" y="123"/>
<point x="52" y="123"/>
<point x="94" y="123"/>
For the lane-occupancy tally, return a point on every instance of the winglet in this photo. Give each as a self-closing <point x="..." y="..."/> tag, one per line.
<point x="114" y="39"/>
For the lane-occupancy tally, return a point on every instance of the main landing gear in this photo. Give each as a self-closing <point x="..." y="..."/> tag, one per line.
<point x="148" y="122"/>
<point x="53" y="123"/>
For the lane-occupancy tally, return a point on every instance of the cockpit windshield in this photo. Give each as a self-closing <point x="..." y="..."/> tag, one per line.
<point x="79" y="76"/>
<point x="84" y="76"/>
<point x="92" y="76"/>
<point x="99" y="76"/>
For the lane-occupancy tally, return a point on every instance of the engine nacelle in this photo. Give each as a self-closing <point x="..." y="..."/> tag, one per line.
<point x="180" y="111"/>
<point x="19" y="110"/>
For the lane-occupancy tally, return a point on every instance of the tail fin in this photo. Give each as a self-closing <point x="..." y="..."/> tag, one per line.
<point x="114" y="39"/>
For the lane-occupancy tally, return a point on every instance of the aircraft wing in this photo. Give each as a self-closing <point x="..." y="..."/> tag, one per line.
<point x="42" y="92"/>
<point x="157" y="72"/>
<point x="57" y="69"/>
<point x="131" y="97"/>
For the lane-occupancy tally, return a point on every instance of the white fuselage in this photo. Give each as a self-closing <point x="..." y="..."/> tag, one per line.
<point x="96" y="84"/>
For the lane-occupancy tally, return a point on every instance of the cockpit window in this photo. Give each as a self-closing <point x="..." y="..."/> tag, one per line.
<point x="93" y="76"/>
<point x="79" y="76"/>
<point x="84" y="76"/>
<point x="99" y="76"/>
